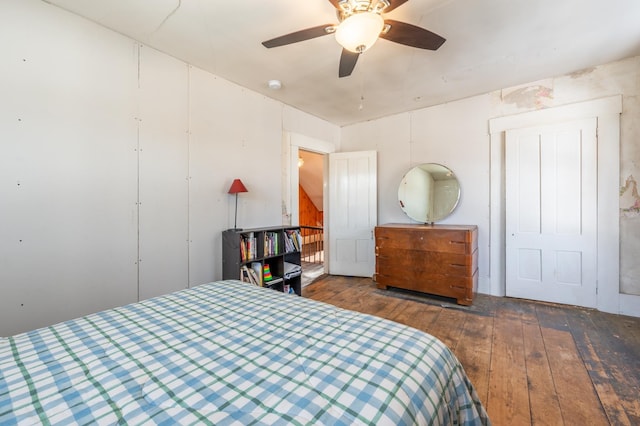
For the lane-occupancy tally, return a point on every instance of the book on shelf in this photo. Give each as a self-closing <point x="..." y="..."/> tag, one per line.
<point x="244" y="274"/>
<point x="288" y="244"/>
<point x="293" y="240"/>
<point x="248" y="275"/>
<point x="298" y="239"/>
<point x="256" y="272"/>
<point x="271" y="244"/>
<point x="243" y="250"/>
<point x="248" y="247"/>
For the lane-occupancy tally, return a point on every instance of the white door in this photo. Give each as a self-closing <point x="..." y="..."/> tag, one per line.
<point x="551" y="213"/>
<point x="352" y="213"/>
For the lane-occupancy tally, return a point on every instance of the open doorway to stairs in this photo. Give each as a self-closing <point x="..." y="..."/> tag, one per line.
<point x="311" y="215"/>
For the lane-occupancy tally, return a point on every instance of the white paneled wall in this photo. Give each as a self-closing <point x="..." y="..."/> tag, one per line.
<point x="235" y="133"/>
<point x="115" y="162"/>
<point x="68" y="236"/>
<point x="163" y="161"/>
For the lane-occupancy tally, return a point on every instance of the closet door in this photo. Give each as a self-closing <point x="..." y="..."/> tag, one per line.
<point x="551" y="213"/>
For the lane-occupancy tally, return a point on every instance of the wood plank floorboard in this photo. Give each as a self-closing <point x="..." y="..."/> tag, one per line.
<point x="476" y="347"/>
<point x="545" y="405"/>
<point x="508" y="400"/>
<point x="530" y="362"/>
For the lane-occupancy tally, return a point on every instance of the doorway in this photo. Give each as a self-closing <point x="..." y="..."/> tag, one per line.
<point x="311" y="213"/>
<point x="351" y="185"/>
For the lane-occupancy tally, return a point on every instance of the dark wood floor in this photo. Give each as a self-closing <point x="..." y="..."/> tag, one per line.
<point x="531" y="363"/>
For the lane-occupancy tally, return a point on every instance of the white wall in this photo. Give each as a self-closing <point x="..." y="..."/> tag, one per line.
<point x="115" y="162"/>
<point x="456" y="135"/>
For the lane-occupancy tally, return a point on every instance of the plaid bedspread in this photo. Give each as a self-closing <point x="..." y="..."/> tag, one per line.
<point x="228" y="353"/>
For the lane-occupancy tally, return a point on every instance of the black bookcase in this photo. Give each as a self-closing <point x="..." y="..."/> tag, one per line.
<point x="278" y="248"/>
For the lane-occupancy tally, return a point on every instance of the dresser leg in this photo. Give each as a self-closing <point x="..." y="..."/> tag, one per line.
<point x="464" y="301"/>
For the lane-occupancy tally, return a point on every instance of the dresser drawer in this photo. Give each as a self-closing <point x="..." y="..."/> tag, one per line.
<point x="448" y="241"/>
<point x="460" y="288"/>
<point x="426" y="262"/>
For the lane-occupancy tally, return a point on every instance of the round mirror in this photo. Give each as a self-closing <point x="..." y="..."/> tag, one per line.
<point x="429" y="192"/>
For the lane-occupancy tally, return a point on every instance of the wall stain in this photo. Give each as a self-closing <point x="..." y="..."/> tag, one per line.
<point x="530" y="97"/>
<point x="629" y="198"/>
<point x="581" y="73"/>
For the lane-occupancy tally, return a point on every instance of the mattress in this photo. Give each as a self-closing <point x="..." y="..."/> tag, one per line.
<point x="228" y="353"/>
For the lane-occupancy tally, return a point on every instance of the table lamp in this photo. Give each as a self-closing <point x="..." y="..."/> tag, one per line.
<point x="237" y="187"/>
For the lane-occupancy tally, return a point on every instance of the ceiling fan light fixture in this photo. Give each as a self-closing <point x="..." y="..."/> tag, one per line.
<point x="359" y="31"/>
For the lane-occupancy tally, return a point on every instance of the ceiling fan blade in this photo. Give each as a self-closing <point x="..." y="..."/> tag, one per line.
<point x="335" y="3"/>
<point x="297" y="36"/>
<point x="348" y="61"/>
<point x="410" y="35"/>
<point x="393" y="4"/>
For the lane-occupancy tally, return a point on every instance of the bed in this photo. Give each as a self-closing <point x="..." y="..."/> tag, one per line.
<point x="228" y="353"/>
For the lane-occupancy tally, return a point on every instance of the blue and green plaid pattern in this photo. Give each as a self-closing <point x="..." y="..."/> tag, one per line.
<point x="228" y="353"/>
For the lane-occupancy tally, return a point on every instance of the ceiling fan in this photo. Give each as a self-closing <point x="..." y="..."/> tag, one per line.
<point x="360" y="25"/>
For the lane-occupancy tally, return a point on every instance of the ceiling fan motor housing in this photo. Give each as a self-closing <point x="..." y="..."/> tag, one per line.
<point x="351" y="7"/>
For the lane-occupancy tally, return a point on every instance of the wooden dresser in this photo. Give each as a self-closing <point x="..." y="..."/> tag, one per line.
<point x="435" y="259"/>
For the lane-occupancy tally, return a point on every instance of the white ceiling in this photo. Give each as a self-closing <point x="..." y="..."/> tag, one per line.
<point x="491" y="44"/>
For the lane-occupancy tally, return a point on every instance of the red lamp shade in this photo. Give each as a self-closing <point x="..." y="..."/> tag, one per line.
<point x="237" y="186"/>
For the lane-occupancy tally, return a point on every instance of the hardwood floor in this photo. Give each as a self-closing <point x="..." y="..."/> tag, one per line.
<point x="531" y="363"/>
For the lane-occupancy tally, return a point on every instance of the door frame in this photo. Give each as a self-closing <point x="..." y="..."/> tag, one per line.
<point x="291" y="144"/>
<point x="607" y="111"/>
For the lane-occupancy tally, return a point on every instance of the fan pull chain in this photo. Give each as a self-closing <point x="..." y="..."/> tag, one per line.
<point x="361" y="104"/>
